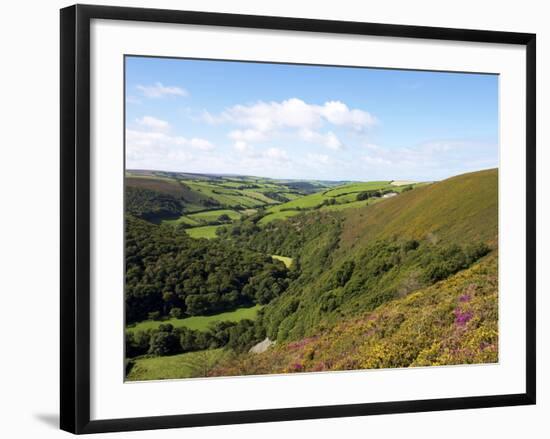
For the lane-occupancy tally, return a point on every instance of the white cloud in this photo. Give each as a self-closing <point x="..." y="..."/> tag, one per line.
<point x="338" y="113"/>
<point x="261" y="121"/>
<point x="293" y="113"/>
<point x="376" y="160"/>
<point x="210" y="118"/>
<point x="243" y="147"/>
<point x="248" y="135"/>
<point x="158" y="90"/>
<point x="265" y="117"/>
<point x="153" y="123"/>
<point x="201" y="144"/>
<point x="430" y="160"/>
<point x="319" y="158"/>
<point x="330" y="140"/>
<point x="276" y="154"/>
<point x="155" y="148"/>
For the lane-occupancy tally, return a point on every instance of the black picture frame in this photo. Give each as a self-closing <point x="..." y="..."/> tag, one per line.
<point x="75" y="217"/>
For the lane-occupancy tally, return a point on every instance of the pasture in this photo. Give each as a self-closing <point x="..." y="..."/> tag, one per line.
<point x="227" y="196"/>
<point x="356" y="187"/>
<point x="184" y="219"/>
<point x="278" y="215"/>
<point x="208" y="232"/>
<point x="201" y="323"/>
<point x="344" y="197"/>
<point x="213" y="215"/>
<point x="173" y="367"/>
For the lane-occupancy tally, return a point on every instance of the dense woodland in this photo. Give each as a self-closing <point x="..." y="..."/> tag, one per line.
<point x="150" y="205"/>
<point x="170" y="274"/>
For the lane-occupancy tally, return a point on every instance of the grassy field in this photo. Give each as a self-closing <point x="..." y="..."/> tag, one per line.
<point x="213" y="215"/>
<point x="284" y="259"/>
<point x="208" y="232"/>
<point x="341" y="194"/>
<point x="184" y="219"/>
<point x="351" y="204"/>
<point x="225" y="196"/>
<point x="278" y="215"/>
<point x="203" y="218"/>
<point x="255" y="194"/>
<point x="172" y="367"/>
<point x="356" y="187"/>
<point x="201" y="323"/>
<point x="345" y="196"/>
<point x="306" y="202"/>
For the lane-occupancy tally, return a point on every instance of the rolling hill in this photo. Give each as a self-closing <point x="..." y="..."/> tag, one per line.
<point x="367" y="281"/>
<point x="339" y="197"/>
<point x="458" y="209"/>
<point x="388" y="260"/>
<point x="183" y="198"/>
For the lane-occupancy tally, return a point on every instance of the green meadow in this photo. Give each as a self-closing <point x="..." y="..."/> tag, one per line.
<point x="201" y="323"/>
<point x="208" y="232"/>
<point x="188" y="365"/>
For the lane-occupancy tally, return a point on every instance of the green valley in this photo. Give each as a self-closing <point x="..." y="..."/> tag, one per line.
<point x="340" y="274"/>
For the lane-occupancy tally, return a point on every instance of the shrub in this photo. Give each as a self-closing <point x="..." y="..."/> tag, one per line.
<point x="412" y="244"/>
<point x="344" y="273"/>
<point x="176" y="313"/>
<point x="154" y="315"/>
<point x="164" y="342"/>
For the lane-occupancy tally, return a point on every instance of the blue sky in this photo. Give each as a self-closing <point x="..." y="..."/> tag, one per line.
<point x="308" y="122"/>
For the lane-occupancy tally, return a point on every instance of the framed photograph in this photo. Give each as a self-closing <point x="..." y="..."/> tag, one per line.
<point x="273" y="218"/>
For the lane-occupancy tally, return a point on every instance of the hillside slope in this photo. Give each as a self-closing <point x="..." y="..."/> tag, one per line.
<point x="372" y="255"/>
<point x="459" y="209"/>
<point x="454" y="321"/>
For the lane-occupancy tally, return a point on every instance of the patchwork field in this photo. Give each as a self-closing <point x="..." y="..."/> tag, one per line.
<point x="201" y="203"/>
<point x="338" y="198"/>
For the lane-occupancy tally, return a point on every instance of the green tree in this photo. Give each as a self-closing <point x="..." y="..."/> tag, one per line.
<point x="201" y="363"/>
<point x="164" y="342"/>
<point x="176" y="313"/>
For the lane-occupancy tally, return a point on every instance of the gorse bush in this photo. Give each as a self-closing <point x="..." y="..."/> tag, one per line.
<point x="379" y="272"/>
<point x="451" y="322"/>
<point x="443" y="262"/>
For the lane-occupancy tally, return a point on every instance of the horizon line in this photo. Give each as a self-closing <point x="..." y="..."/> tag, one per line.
<point x="222" y="174"/>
